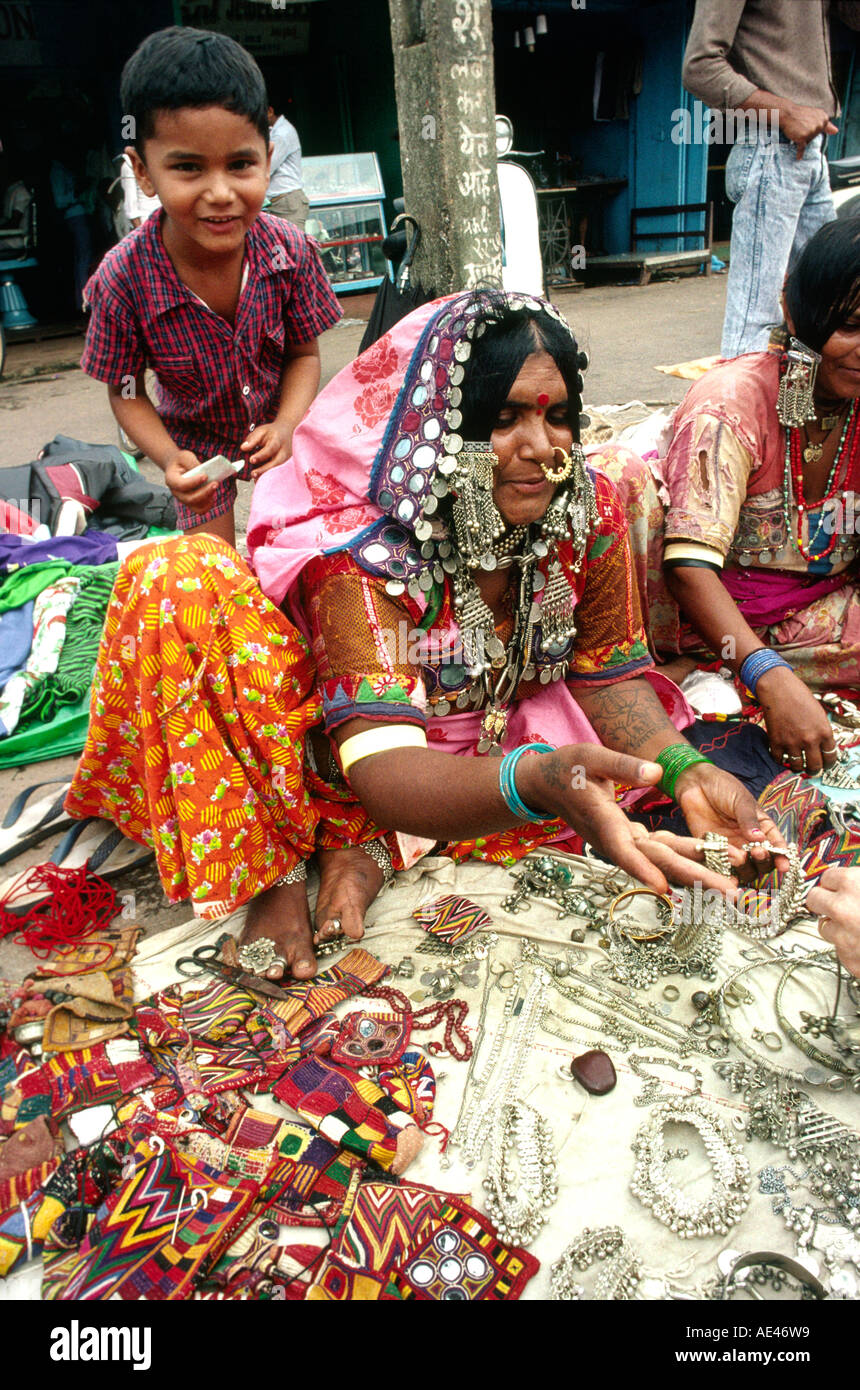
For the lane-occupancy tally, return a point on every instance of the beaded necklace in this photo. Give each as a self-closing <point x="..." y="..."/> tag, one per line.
<point x="793" y="484"/>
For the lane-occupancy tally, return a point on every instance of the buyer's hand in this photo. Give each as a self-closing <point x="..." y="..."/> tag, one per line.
<point x="196" y="495"/>
<point x="836" y="899"/>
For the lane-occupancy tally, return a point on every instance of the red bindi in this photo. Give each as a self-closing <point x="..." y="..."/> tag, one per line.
<point x="543" y="401"/>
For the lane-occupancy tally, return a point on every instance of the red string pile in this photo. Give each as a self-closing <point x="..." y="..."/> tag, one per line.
<point x="77" y="904"/>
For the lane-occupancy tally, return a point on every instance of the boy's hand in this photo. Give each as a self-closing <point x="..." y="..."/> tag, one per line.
<point x="195" y="494"/>
<point x="267" y="446"/>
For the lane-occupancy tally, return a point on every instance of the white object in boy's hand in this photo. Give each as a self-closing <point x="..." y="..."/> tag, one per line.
<point x="213" y="470"/>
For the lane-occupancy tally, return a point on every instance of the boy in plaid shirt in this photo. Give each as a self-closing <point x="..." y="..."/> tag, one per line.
<point x="223" y="302"/>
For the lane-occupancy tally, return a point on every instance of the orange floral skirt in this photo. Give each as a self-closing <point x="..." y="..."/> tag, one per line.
<point x="202" y="699"/>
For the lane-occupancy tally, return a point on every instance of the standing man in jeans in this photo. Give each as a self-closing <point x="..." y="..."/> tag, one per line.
<point x="750" y="58"/>
<point x="285" y="193"/>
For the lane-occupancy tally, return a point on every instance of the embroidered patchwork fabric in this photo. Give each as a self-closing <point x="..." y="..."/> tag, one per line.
<point x="59" y="1211"/>
<point x="152" y="1234"/>
<point x="374" y="1236"/>
<point x="351" y="1111"/>
<point x="70" y="1081"/>
<point x="411" y="1083"/>
<point x="367" y="1039"/>
<point x="462" y="1259"/>
<point x="312" y="1178"/>
<point x="450" y="918"/>
<point x="409" y="1242"/>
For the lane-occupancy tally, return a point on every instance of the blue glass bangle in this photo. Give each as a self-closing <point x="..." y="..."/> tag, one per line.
<point x="508" y="784"/>
<point x="757" y="663"/>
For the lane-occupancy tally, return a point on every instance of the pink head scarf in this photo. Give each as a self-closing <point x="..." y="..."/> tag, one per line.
<point x="367" y="454"/>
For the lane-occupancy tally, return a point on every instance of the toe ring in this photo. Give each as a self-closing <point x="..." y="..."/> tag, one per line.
<point x="260" y="955"/>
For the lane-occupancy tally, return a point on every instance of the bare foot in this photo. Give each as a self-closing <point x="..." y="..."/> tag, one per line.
<point x="349" y="881"/>
<point x="676" y="669"/>
<point x="282" y="914"/>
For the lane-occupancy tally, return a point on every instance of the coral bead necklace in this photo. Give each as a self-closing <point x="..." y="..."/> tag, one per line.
<point x="839" y="474"/>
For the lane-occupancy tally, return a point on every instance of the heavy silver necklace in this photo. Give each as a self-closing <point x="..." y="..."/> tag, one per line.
<point x="685" y="1215"/>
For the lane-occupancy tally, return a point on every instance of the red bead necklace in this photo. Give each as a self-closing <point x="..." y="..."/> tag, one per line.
<point x="836" y="482"/>
<point x="453" y="1011"/>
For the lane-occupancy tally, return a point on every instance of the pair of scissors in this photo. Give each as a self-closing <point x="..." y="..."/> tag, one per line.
<point x="206" y="960"/>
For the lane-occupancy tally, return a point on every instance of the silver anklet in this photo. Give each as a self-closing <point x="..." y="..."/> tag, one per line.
<point x="378" y="851"/>
<point x="298" y="873"/>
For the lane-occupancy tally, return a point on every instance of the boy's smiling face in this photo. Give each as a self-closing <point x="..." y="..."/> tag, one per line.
<point x="210" y="168"/>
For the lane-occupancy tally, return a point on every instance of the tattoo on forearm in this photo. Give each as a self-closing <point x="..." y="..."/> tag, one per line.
<point x="555" y="772"/>
<point x="625" y="716"/>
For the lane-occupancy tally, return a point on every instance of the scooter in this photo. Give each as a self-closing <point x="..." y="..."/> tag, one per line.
<point x="522" y="263"/>
<point x="845" y="185"/>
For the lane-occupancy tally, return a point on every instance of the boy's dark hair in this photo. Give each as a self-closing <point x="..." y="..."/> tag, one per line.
<point x="510" y="336"/>
<point x="823" y="287"/>
<point x="176" y="67"/>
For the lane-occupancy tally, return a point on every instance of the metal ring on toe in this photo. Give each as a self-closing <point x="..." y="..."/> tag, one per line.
<point x="260" y="955"/>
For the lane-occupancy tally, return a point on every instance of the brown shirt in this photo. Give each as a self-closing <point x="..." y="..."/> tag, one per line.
<point x="737" y="47"/>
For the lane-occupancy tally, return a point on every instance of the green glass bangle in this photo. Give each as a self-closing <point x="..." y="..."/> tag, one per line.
<point x="674" y="760"/>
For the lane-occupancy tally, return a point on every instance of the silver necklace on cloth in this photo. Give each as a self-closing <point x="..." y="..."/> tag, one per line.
<point x="521" y="1180"/>
<point x="651" y="1092"/>
<point x="685" y="1215"/>
<point x="620" y="1267"/>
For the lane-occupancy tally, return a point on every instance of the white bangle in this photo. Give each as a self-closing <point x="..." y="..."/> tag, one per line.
<point x="373" y="741"/>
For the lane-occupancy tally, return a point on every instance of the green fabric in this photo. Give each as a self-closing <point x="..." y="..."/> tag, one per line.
<point x="84" y="624"/>
<point x="29" y="581"/>
<point x="65" y="734"/>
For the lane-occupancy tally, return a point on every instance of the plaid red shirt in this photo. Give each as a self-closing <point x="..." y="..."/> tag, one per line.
<point x="216" y="382"/>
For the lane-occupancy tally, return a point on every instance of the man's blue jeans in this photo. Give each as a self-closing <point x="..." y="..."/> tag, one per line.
<point x="780" y="202"/>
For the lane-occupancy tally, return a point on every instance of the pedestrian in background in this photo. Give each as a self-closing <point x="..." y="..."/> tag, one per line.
<point x="762" y="56"/>
<point x="286" y="197"/>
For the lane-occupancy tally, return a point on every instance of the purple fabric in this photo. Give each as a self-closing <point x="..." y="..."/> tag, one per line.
<point x="92" y="548"/>
<point x="766" y="597"/>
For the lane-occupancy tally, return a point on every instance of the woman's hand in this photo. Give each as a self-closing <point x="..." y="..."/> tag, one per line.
<point x="577" y="783"/>
<point x="837" y="901"/>
<point x="714" y="801"/>
<point x="801" y="735"/>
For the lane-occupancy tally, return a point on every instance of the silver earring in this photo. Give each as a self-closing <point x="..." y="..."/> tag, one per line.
<point x="477" y="520"/>
<point x="794" y="403"/>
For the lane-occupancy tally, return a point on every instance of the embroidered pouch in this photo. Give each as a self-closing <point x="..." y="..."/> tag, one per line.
<point x="451" y="918"/>
<point x="461" y="1258"/>
<point x="367" y="1039"/>
<point x="349" y="1110"/>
